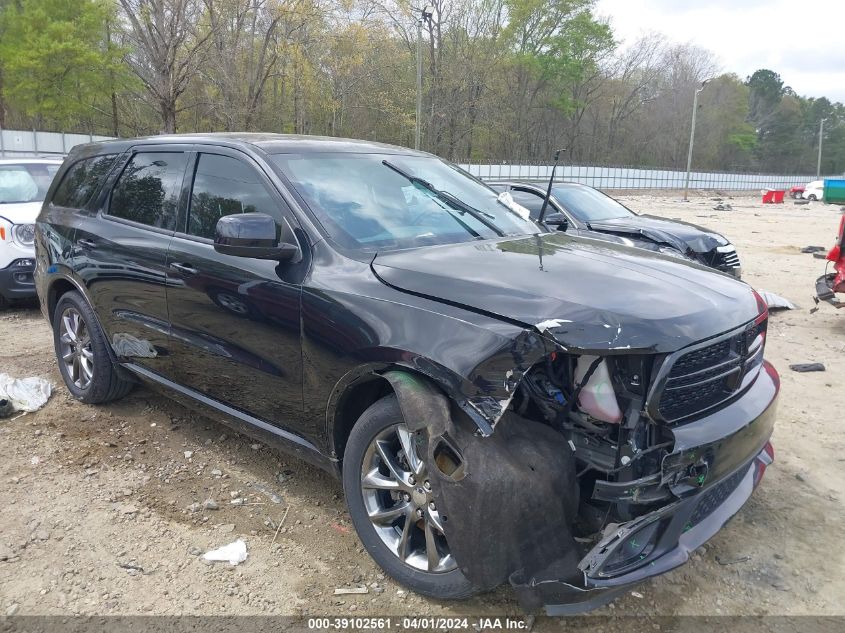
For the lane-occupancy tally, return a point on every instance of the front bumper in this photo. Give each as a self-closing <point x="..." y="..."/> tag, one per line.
<point x="663" y="539"/>
<point x="16" y="280"/>
<point x="682" y="527"/>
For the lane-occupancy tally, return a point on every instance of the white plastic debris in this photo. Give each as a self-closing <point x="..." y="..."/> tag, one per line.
<point x="776" y="302"/>
<point x="506" y="199"/>
<point x="24" y="394"/>
<point x="345" y="591"/>
<point x="235" y="553"/>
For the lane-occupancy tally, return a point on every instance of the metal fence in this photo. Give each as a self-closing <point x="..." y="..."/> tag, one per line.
<point x="604" y="177"/>
<point x="29" y="143"/>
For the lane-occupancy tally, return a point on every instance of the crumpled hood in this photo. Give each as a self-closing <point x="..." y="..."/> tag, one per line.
<point x="681" y="235"/>
<point x="589" y="295"/>
<point x="20" y="212"/>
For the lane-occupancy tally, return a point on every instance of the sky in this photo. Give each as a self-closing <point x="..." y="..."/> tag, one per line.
<point x="802" y="41"/>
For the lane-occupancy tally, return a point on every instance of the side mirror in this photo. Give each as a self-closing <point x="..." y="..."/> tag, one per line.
<point x="251" y="235"/>
<point x="556" y="219"/>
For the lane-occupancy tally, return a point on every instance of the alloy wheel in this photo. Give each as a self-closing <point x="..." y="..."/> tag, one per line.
<point x="398" y="500"/>
<point x="76" y="351"/>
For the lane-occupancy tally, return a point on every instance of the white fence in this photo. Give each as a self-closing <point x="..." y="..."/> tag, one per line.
<point x="637" y="178"/>
<point x="29" y="143"/>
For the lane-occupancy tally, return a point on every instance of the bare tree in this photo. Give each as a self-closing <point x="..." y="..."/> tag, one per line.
<point x="168" y="48"/>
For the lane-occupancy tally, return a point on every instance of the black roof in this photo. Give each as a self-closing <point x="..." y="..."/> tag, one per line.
<point x="270" y="143"/>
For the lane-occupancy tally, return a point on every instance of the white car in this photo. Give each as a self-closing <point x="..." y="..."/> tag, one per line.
<point x="23" y="185"/>
<point x="814" y="190"/>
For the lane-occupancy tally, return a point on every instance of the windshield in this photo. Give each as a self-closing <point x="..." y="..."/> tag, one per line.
<point x="374" y="202"/>
<point x="589" y="205"/>
<point x="25" y="182"/>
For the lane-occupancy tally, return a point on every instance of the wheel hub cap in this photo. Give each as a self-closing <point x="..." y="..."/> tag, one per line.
<point x="398" y="499"/>
<point x="75" y="348"/>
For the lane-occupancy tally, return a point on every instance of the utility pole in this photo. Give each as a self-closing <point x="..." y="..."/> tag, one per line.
<point x="819" y="164"/>
<point x="692" y="135"/>
<point x="425" y="17"/>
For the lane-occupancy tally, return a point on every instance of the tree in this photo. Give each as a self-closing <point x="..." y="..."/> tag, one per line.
<point x="168" y="49"/>
<point x="53" y="55"/>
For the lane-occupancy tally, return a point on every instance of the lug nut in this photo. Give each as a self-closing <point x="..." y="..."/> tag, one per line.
<point x="406" y="496"/>
<point x="419" y="513"/>
<point x="427" y="485"/>
<point x="412" y="480"/>
<point x="431" y="506"/>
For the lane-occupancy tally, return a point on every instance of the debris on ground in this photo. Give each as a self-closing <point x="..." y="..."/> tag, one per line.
<point x="776" y="302"/>
<point x="235" y="553"/>
<point x="272" y="496"/>
<point x="801" y="202"/>
<point x="813" y="249"/>
<point x="806" y="367"/>
<point x="344" y="591"/>
<point x="23" y="394"/>
<point x="723" y="207"/>
<point x="733" y="561"/>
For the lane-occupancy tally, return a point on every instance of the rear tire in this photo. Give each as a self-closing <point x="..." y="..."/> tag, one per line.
<point x="82" y="353"/>
<point x="381" y="423"/>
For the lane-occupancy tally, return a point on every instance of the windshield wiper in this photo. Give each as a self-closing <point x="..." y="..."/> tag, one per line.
<point x="446" y="197"/>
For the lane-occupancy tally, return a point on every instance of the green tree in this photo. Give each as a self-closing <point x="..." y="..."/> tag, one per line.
<point x="55" y="58"/>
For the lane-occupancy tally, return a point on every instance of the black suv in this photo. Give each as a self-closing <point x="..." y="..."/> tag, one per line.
<point x="503" y="403"/>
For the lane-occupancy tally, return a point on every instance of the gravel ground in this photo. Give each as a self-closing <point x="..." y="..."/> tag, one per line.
<point x="105" y="510"/>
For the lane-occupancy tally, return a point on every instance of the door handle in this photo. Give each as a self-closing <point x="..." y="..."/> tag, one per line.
<point x="185" y="269"/>
<point x="87" y="244"/>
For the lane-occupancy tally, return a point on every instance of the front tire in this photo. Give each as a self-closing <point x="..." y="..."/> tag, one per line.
<point x="812" y="197"/>
<point x="82" y="353"/>
<point x="392" y="508"/>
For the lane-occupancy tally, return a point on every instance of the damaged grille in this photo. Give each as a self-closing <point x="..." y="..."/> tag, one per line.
<point x="725" y="257"/>
<point x="710" y="374"/>
<point x="715" y="496"/>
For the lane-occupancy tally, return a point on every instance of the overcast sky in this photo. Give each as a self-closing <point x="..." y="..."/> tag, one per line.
<point x="800" y="40"/>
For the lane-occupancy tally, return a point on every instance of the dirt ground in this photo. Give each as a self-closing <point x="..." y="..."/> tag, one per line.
<point x="96" y="501"/>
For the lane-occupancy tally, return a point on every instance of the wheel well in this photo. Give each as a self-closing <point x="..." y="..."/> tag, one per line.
<point x="57" y="289"/>
<point x="354" y="401"/>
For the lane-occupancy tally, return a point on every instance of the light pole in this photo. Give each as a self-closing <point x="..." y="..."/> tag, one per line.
<point x="692" y="135"/>
<point x="821" y="133"/>
<point x="425" y="16"/>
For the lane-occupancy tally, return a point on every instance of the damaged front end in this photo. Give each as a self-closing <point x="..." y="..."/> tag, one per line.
<point x="583" y="471"/>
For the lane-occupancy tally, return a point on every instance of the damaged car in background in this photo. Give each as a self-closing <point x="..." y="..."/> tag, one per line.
<point x="590" y="213"/>
<point x="503" y="403"/>
<point x="832" y="283"/>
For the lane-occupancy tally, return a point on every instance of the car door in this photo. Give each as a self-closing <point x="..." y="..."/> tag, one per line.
<point x="121" y="253"/>
<point x="235" y="327"/>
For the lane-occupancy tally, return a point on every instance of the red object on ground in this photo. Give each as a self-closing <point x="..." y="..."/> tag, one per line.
<point x="773" y="196"/>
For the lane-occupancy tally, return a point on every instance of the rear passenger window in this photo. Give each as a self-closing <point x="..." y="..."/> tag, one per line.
<point x="82" y="180"/>
<point x="226" y="186"/>
<point x="148" y="189"/>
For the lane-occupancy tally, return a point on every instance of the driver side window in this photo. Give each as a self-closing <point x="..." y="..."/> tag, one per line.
<point x="530" y="201"/>
<point x="226" y="186"/>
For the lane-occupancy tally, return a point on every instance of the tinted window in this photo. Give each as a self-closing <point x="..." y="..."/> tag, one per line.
<point x="82" y="180"/>
<point x="148" y="189"/>
<point x="25" y="182"/>
<point x="225" y="186"/>
<point x="530" y="201"/>
<point x="588" y="204"/>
